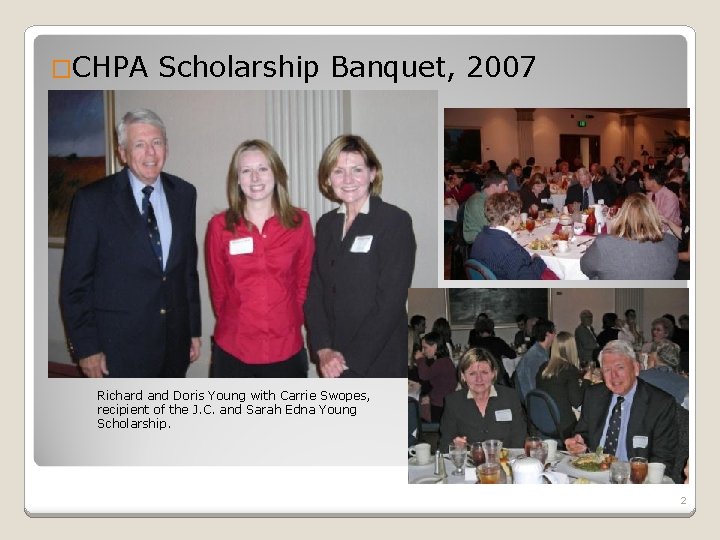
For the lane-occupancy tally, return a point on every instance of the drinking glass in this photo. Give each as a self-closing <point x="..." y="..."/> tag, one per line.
<point x="489" y="473"/>
<point x="492" y="448"/>
<point x="619" y="472"/>
<point x="458" y="455"/>
<point x="539" y="452"/>
<point x="638" y="470"/>
<point x="477" y="454"/>
<point x="530" y="443"/>
<point x="530" y="225"/>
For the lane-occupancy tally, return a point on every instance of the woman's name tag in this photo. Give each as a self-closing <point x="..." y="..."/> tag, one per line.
<point x="361" y="244"/>
<point x="504" y="415"/>
<point x="241" y="246"/>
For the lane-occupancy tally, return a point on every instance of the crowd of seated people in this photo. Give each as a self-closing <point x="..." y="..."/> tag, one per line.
<point x="477" y="400"/>
<point x="664" y="183"/>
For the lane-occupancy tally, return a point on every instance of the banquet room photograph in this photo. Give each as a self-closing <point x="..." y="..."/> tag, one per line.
<point x="567" y="194"/>
<point x="562" y="385"/>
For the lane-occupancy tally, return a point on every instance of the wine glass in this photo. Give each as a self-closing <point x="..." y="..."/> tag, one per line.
<point x="458" y="455"/>
<point x="530" y="225"/>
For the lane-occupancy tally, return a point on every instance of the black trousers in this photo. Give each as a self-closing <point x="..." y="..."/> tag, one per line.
<point x="224" y="364"/>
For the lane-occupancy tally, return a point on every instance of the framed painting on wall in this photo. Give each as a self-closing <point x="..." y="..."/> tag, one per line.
<point x="501" y="305"/>
<point x="80" y="150"/>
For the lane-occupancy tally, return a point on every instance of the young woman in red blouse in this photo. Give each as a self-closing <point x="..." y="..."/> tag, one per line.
<point x="258" y="257"/>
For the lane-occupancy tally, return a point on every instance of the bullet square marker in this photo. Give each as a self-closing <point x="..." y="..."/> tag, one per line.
<point x="61" y="69"/>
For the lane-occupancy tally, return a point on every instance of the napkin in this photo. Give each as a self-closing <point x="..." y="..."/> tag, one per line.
<point x="557" y="477"/>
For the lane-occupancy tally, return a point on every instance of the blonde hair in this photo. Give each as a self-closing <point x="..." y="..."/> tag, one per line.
<point x="353" y="144"/>
<point x="638" y="219"/>
<point x="562" y="353"/>
<point x="476" y="355"/>
<point x="288" y="215"/>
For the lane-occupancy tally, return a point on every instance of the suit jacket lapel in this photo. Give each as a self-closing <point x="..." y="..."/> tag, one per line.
<point x="124" y="200"/>
<point x="356" y="229"/>
<point x="599" y="428"/>
<point x="637" y="415"/>
<point x="173" y="202"/>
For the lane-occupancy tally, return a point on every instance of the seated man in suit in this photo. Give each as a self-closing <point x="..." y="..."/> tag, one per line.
<point x="585" y="191"/>
<point x="626" y="416"/>
<point x="129" y="284"/>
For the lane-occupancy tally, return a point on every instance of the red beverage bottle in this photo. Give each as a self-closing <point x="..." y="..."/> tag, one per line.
<point x="590" y="223"/>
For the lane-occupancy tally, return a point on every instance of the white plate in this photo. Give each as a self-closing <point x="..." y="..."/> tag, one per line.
<point x="412" y="462"/>
<point x="599" y="476"/>
<point x="428" y="480"/>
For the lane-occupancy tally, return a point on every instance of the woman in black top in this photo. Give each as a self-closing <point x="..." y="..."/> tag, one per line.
<point x="609" y="332"/>
<point x="562" y="379"/>
<point x="531" y="194"/>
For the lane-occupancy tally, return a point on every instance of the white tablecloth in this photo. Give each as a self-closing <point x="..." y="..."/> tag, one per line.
<point x="565" y="265"/>
<point x="558" y="201"/>
<point x="451" y="211"/>
<point x="416" y="473"/>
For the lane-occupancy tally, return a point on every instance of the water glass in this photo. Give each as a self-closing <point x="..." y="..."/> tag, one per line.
<point x="530" y="443"/>
<point x="458" y="455"/>
<point x="619" y="472"/>
<point x="539" y="452"/>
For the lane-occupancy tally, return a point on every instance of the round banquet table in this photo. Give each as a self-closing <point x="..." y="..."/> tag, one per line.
<point x="565" y="265"/>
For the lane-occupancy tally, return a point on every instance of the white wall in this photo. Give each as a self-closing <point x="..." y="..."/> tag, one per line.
<point x="205" y="127"/>
<point x="402" y="128"/>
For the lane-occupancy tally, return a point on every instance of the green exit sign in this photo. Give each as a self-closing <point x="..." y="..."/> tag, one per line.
<point x="582" y="123"/>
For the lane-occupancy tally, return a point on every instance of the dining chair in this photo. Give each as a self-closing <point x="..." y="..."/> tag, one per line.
<point x="474" y="269"/>
<point x="544" y="415"/>
<point x="414" y="427"/>
<point x="459" y="248"/>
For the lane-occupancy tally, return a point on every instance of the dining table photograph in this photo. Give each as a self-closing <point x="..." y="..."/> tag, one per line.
<point x="516" y="467"/>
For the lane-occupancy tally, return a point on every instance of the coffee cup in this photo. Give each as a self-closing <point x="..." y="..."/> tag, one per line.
<point x="562" y="246"/>
<point x="656" y="471"/>
<point x="578" y="228"/>
<point x="421" y="453"/>
<point x="552" y="446"/>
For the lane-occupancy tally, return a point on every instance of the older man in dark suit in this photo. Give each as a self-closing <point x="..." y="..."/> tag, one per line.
<point x="586" y="192"/>
<point x="626" y="416"/>
<point x="129" y="284"/>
